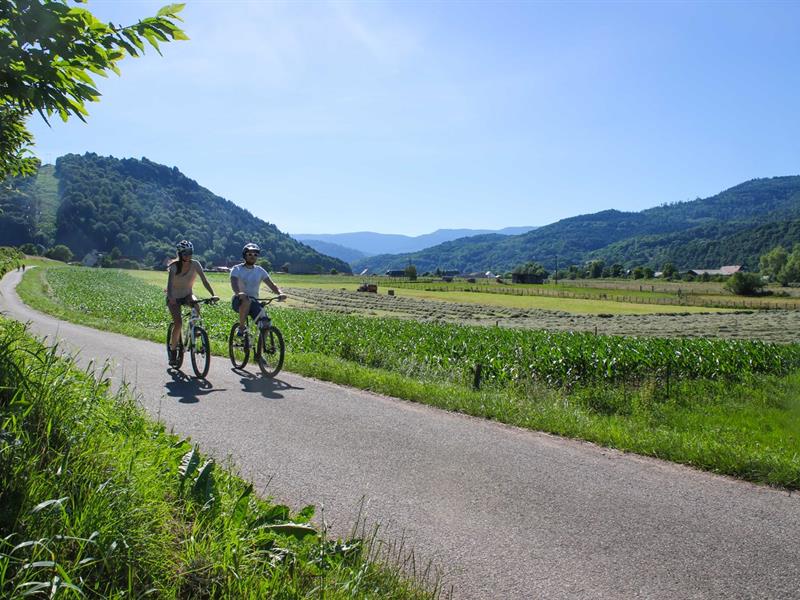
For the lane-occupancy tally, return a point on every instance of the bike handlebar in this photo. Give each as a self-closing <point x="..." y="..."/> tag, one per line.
<point x="271" y="299"/>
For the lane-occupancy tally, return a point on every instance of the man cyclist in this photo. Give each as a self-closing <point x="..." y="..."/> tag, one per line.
<point x="246" y="279"/>
<point x="182" y="273"/>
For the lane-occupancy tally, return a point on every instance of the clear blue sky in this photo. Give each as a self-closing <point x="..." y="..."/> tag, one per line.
<point x="406" y="117"/>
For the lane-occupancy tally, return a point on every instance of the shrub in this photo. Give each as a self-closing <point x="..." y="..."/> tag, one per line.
<point x="744" y="284"/>
<point x="60" y="252"/>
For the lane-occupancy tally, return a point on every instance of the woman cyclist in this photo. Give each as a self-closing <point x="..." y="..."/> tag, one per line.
<point x="182" y="273"/>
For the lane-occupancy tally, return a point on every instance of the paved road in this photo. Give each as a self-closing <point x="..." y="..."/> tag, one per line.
<point x="508" y="513"/>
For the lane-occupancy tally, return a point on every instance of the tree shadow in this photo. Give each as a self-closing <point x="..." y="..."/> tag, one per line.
<point x="266" y="386"/>
<point x="188" y="389"/>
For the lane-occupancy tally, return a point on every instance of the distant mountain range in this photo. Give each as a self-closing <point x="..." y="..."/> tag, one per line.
<point x="142" y="209"/>
<point x="734" y="227"/>
<point x="361" y="244"/>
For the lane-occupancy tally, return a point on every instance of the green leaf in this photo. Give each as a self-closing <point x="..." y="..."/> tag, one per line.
<point x="296" y="530"/>
<point x="48" y="503"/>
<point x="240" y="508"/>
<point x="188" y="465"/>
<point x="170" y="10"/>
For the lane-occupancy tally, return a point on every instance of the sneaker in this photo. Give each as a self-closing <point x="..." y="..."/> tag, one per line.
<point x="240" y="332"/>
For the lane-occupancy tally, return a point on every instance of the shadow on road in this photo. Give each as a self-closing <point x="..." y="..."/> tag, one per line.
<point x="269" y="388"/>
<point x="187" y="389"/>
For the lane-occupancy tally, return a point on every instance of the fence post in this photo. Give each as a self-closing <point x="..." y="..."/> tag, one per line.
<point x="476" y="381"/>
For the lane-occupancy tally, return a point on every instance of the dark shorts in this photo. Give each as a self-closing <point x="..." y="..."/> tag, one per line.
<point x="255" y="307"/>
<point x="185" y="301"/>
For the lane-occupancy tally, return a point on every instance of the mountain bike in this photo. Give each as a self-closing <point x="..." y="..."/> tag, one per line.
<point x="194" y="338"/>
<point x="262" y="338"/>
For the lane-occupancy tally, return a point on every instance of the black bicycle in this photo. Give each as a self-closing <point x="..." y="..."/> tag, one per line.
<point x="194" y="339"/>
<point x="268" y="349"/>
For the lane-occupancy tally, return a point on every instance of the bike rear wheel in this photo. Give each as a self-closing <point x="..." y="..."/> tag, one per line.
<point x="179" y="354"/>
<point x="200" y="353"/>
<point x="270" y="351"/>
<point x="238" y="348"/>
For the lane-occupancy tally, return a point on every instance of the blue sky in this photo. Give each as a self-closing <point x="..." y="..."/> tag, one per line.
<point x="406" y="117"/>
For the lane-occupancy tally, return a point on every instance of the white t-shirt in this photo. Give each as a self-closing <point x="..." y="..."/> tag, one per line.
<point x="251" y="278"/>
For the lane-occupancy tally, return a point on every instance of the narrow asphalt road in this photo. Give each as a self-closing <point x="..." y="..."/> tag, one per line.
<point x="506" y="513"/>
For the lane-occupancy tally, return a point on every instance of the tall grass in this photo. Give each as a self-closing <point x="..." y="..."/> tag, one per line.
<point x="98" y="501"/>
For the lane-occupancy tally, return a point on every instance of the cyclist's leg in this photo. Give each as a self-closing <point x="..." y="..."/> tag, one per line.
<point x="255" y="308"/>
<point x="177" y="322"/>
<point x="242" y="307"/>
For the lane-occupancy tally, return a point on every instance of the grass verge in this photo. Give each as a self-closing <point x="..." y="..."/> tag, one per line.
<point x="98" y="501"/>
<point x="748" y="429"/>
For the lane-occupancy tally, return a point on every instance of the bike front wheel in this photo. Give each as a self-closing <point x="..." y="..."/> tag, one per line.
<point x="270" y="351"/>
<point x="179" y="354"/>
<point x="200" y="353"/>
<point x="238" y="348"/>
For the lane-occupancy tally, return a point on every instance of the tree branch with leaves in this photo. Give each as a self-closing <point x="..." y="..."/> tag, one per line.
<point x="50" y="51"/>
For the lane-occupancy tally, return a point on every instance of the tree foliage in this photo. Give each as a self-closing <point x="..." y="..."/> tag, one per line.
<point x="49" y="53"/>
<point x="771" y="263"/>
<point x="60" y="252"/>
<point x="142" y="209"/>
<point x="744" y="284"/>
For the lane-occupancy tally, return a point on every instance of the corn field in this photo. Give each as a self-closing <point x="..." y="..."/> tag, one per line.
<point x="445" y="350"/>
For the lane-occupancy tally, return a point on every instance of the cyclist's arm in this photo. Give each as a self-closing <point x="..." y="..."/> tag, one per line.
<point x="271" y="285"/>
<point x="204" y="280"/>
<point x="237" y="286"/>
<point x="170" y="272"/>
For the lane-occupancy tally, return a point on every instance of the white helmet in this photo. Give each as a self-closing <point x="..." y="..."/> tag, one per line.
<point x="251" y="247"/>
<point x="185" y="247"/>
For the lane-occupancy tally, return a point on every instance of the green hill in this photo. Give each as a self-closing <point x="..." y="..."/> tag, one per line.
<point x="733" y="227"/>
<point x="141" y="208"/>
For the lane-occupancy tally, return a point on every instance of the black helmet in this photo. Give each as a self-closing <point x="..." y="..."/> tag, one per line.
<point x="251" y="247"/>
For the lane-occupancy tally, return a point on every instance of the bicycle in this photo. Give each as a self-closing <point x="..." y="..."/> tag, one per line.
<point x="194" y="338"/>
<point x="269" y="349"/>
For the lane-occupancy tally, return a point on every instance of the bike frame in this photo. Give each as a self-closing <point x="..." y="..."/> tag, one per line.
<point x="191" y="320"/>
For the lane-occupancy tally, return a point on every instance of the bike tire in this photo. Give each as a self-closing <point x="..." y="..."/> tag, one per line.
<point x="270" y="351"/>
<point x="238" y="349"/>
<point x="179" y="357"/>
<point x="200" y="353"/>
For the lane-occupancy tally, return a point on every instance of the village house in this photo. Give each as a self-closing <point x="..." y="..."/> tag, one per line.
<point x="725" y="270"/>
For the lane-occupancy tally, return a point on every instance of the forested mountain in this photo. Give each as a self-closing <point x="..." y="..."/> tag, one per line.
<point x="733" y="227"/>
<point x="142" y="209"/>
<point x="348" y="255"/>
<point x="370" y="243"/>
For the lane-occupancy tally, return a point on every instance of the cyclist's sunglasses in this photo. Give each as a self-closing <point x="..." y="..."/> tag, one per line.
<point x="186" y="253"/>
<point x="251" y="253"/>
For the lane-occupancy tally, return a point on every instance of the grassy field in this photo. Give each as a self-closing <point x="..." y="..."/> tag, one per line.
<point x="99" y="501"/>
<point x="337" y="294"/>
<point x="728" y="418"/>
